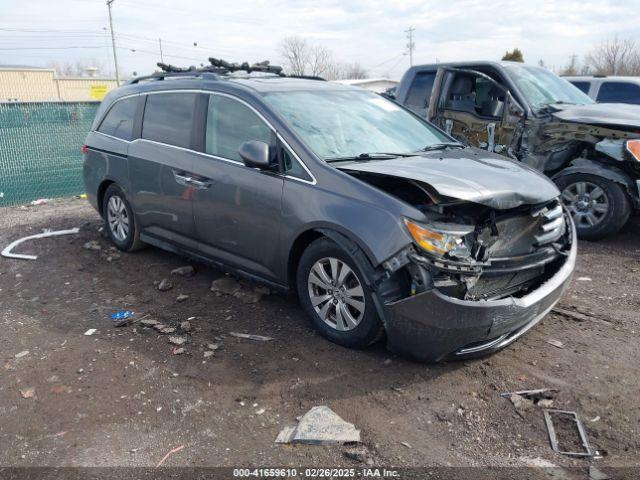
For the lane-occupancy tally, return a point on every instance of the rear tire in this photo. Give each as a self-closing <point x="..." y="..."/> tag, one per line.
<point x="120" y="221"/>
<point x="599" y="207"/>
<point x="334" y="293"/>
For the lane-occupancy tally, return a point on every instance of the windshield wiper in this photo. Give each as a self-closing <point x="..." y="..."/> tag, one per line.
<point x="441" y="146"/>
<point x="364" y="157"/>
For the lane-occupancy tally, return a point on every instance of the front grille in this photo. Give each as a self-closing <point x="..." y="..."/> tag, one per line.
<point x="553" y="225"/>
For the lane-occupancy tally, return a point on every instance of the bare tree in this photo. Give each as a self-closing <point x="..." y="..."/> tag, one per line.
<point x="320" y="58"/>
<point x="355" y="71"/>
<point x="295" y="51"/>
<point x="615" y="56"/>
<point x="304" y="58"/>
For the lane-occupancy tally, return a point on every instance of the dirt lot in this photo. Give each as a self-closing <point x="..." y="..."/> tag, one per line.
<point x="121" y="397"/>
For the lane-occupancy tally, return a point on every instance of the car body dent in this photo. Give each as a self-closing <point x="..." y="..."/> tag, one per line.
<point x="549" y="141"/>
<point x="469" y="174"/>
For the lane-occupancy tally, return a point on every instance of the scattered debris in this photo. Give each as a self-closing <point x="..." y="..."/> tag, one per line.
<point x="208" y="354"/>
<point x="595" y="419"/>
<point x="28" y="392"/>
<point x="388" y="361"/>
<point x="406" y="444"/>
<point x="555" y="343"/>
<point x="187" y="271"/>
<point x="357" y="453"/>
<point x="248" y="336"/>
<point x="7" y="251"/>
<point x="553" y="439"/>
<point x="320" y="426"/>
<point x="584" y="279"/>
<point x="40" y="201"/>
<point x="182" y="297"/>
<point x="521" y="403"/>
<point x="90" y="332"/>
<point x="536" y="393"/>
<point x="178" y="351"/>
<point x="92" y="245"/>
<point x="241" y="289"/>
<point x="149" y="322"/>
<point x="165" y="285"/>
<point x="185" y="326"/>
<point x="213" y="346"/>
<point x="121" y="317"/>
<point x="524" y="400"/>
<point x="260" y="411"/>
<point x="168" y="330"/>
<point x="177" y="340"/>
<point x="23" y="353"/>
<point x="578" y="316"/>
<point x="169" y="453"/>
<point x="595" y="474"/>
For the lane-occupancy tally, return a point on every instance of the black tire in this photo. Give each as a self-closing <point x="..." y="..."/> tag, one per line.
<point x="618" y="205"/>
<point x="131" y="241"/>
<point x="369" y="329"/>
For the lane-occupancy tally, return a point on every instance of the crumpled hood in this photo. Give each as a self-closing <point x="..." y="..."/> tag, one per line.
<point x="614" y="114"/>
<point x="468" y="174"/>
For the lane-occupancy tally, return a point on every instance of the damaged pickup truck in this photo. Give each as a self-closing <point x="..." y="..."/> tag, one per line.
<point x="528" y="113"/>
<point x="380" y="222"/>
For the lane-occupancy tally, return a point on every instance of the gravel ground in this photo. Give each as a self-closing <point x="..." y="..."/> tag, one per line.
<point x="121" y="397"/>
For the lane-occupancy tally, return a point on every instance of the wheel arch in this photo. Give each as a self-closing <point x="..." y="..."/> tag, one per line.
<point x="361" y="255"/>
<point x="102" y="188"/>
<point x="609" y="172"/>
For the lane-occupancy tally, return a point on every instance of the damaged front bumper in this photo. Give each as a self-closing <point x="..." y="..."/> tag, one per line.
<point x="431" y="326"/>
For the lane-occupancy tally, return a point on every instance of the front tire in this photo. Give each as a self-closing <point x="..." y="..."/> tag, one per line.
<point x="599" y="207"/>
<point x="120" y="221"/>
<point x="335" y="295"/>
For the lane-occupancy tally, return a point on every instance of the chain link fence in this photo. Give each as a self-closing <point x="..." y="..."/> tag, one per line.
<point x="40" y="149"/>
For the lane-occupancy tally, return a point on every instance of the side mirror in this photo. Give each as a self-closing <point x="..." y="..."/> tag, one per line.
<point x="255" y="154"/>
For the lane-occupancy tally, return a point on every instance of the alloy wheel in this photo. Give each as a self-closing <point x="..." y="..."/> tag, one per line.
<point x="117" y="218"/>
<point x="587" y="202"/>
<point x="336" y="294"/>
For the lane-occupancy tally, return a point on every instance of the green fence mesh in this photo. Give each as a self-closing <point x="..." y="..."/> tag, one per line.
<point x="40" y="149"/>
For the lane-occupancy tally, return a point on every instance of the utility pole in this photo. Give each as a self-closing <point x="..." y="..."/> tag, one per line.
<point x="160" y="43"/>
<point x="411" y="45"/>
<point x="113" y="43"/>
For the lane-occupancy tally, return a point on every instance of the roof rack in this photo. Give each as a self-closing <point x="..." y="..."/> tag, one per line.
<point x="217" y="69"/>
<point x="214" y="71"/>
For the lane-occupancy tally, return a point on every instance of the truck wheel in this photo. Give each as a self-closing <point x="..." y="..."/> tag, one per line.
<point x="599" y="207"/>
<point x="334" y="294"/>
<point x="119" y="220"/>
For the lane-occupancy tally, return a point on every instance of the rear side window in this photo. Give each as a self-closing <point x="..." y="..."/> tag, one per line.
<point x="168" y="118"/>
<point x="230" y="123"/>
<point x="420" y="90"/>
<point x="119" y="119"/>
<point x="584" y="86"/>
<point x="619" y="92"/>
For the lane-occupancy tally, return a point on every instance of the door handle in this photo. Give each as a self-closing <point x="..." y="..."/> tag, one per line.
<point x="199" y="184"/>
<point x="181" y="178"/>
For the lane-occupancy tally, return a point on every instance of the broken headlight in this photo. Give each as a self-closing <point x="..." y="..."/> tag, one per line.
<point x="440" y="238"/>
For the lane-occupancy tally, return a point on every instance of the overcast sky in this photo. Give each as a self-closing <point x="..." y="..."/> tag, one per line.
<point x="368" y="31"/>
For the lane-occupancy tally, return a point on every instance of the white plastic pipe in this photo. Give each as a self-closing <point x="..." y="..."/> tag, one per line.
<point x="7" y="251"/>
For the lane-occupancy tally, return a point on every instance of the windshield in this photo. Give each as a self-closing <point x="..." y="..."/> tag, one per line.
<point x="542" y="87"/>
<point x="349" y="123"/>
